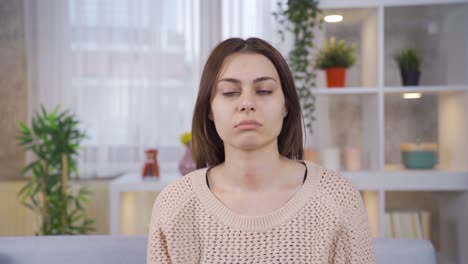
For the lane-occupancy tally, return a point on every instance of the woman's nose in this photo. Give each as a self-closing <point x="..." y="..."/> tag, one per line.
<point x="247" y="103"/>
<point x="247" y="108"/>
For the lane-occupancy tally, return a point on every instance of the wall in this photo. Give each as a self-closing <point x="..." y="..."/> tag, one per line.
<point x="13" y="87"/>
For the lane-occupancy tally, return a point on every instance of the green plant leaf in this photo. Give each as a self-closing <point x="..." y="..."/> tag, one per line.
<point x="335" y="54"/>
<point x="30" y="166"/>
<point x="408" y="59"/>
<point x="301" y="18"/>
<point x="51" y="136"/>
<point x="24" y="128"/>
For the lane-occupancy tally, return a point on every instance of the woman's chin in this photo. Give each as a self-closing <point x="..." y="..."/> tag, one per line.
<point x="251" y="144"/>
<point x="247" y="144"/>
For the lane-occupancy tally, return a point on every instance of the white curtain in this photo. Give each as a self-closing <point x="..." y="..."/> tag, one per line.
<point x="130" y="69"/>
<point x="253" y="18"/>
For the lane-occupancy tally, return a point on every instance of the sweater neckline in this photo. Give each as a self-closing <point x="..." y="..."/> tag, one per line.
<point x="256" y="223"/>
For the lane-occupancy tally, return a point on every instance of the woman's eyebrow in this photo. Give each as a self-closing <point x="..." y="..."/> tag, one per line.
<point x="236" y="81"/>
<point x="264" y="78"/>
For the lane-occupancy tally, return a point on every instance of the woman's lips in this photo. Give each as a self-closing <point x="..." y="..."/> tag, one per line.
<point x="248" y="125"/>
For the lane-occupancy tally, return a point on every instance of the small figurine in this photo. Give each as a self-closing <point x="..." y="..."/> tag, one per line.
<point x="151" y="168"/>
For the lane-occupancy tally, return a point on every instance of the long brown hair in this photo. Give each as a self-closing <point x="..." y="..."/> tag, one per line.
<point x="208" y="148"/>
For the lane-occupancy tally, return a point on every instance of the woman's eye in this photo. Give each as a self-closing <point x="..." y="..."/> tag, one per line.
<point x="264" y="92"/>
<point x="230" y="93"/>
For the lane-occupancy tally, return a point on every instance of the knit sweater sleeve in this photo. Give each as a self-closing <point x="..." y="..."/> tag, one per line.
<point x="157" y="251"/>
<point x="353" y="243"/>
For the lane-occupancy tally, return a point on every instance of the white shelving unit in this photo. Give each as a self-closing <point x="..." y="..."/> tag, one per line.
<point x="419" y="180"/>
<point x="381" y="27"/>
<point x="348" y="91"/>
<point x="426" y="89"/>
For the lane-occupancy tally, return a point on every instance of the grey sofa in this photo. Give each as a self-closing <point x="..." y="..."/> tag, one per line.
<point x="132" y="249"/>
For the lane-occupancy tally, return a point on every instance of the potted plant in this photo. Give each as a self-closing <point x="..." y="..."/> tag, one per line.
<point x="187" y="164"/>
<point x="335" y="58"/>
<point x="54" y="139"/>
<point x="409" y="60"/>
<point x="301" y="18"/>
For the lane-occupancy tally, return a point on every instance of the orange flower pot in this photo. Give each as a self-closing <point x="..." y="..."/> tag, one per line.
<point x="336" y="77"/>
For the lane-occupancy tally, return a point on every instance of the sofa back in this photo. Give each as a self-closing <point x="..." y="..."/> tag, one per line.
<point x="94" y="249"/>
<point x="404" y="251"/>
<point x="91" y="249"/>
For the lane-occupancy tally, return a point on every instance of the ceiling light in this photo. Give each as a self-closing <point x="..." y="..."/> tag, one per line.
<point x="333" y="18"/>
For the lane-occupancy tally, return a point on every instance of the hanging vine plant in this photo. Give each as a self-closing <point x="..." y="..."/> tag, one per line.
<point x="301" y="17"/>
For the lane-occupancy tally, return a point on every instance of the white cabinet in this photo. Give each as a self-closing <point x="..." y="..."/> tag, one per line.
<point x="370" y="112"/>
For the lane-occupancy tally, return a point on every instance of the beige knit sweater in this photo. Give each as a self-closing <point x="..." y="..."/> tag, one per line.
<point x="324" y="222"/>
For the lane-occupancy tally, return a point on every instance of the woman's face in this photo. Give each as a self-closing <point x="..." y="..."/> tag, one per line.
<point x="248" y="105"/>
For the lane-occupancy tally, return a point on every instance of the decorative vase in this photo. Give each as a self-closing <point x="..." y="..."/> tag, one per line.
<point x="352" y="158"/>
<point x="331" y="158"/>
<point x="410" y="78"/>
<point x="187" y="164"/>
<point x="336" y="77"/>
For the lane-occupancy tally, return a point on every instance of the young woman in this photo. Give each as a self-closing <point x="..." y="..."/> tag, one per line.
<point x="253" y="199"/>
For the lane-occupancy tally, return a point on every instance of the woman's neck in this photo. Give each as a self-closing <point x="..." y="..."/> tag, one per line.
<point x="253" y="170"/>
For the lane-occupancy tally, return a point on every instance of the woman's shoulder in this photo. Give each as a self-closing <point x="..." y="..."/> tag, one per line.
<point x="337" y="186"/>
<point x="175" y="193"/>
<point x="172" y="198"/>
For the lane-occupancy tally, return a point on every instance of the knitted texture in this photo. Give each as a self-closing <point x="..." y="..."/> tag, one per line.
<point x="324" y="222"/>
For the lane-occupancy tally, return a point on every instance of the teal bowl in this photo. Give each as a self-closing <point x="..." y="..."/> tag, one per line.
<point x="421" y="160"/>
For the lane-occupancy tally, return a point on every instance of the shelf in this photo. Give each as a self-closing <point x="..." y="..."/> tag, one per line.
<point x="328" y="4"/>
<point x="429" y="89"/>
<point x="371" y="114"/>
<point x="345" y="90"/>
<point x="425" y="181"/>
<point x="436" y="32"/>
<point x="359" y="29"/>
<point x="409" y="180"/>
<point x="364" y="180"/>
<point x="425" y="89"/>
